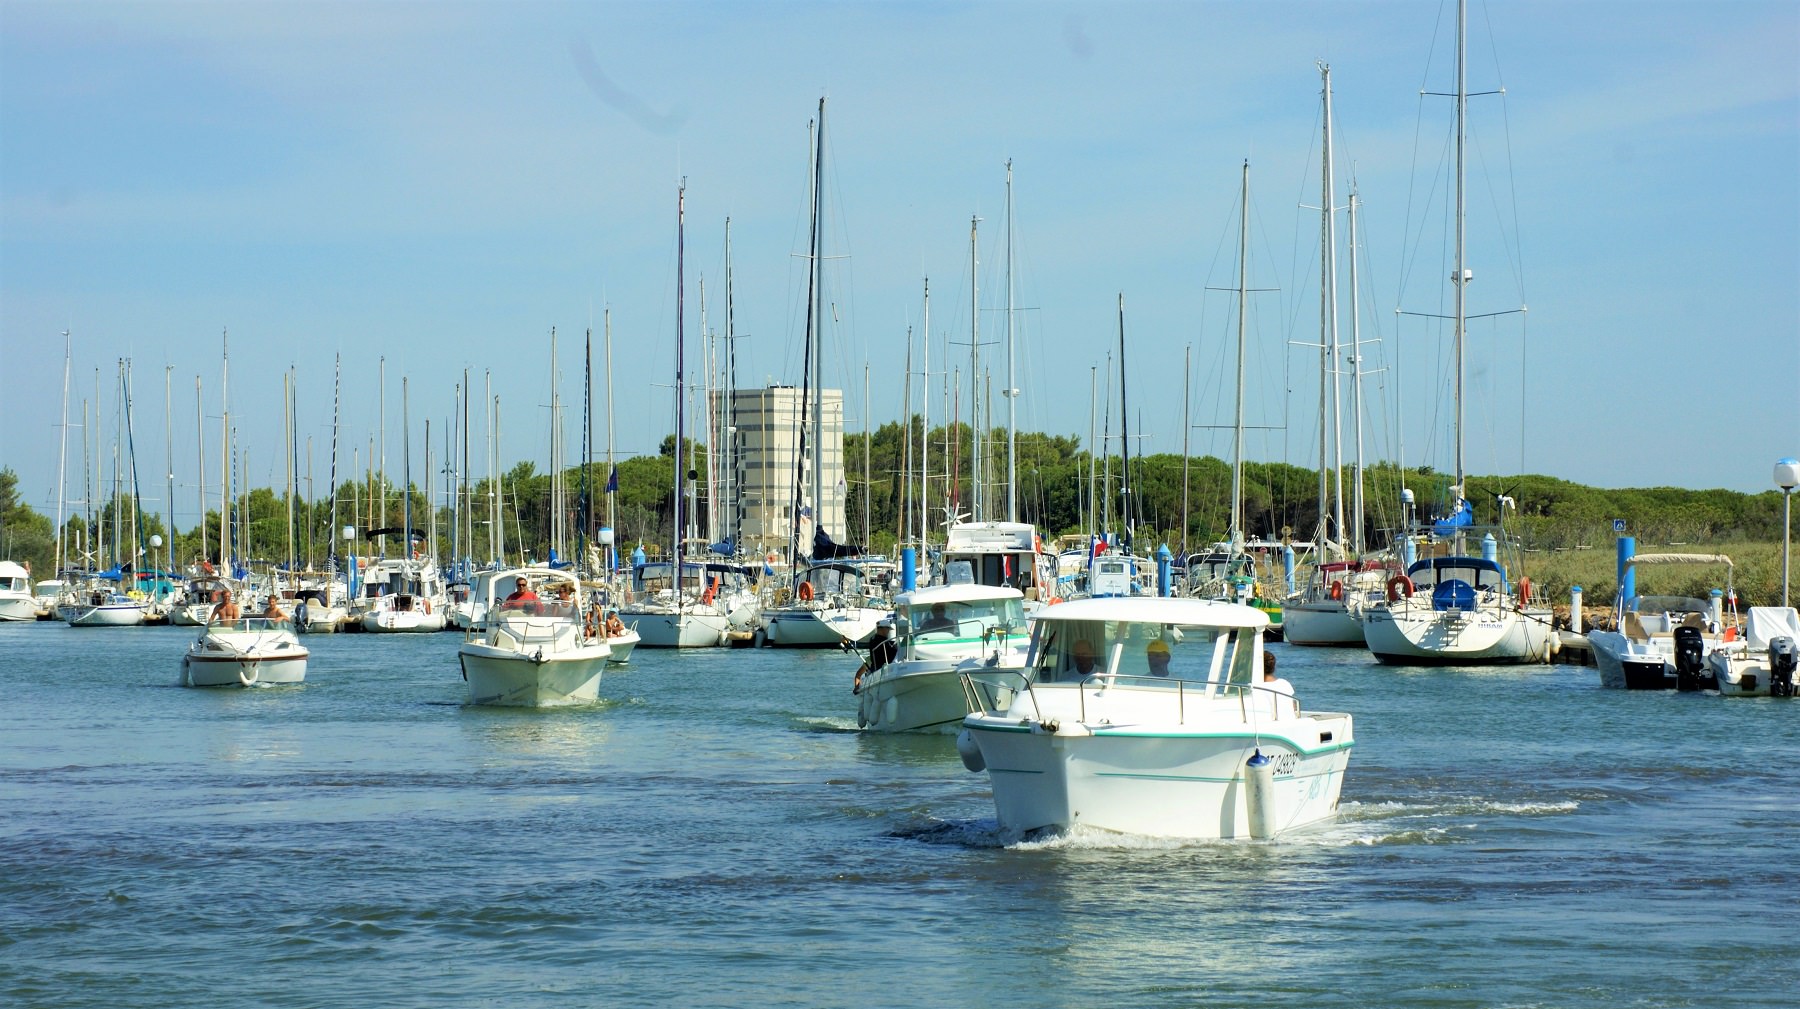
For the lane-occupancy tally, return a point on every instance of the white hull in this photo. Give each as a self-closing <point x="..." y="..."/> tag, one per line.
<point x="1412" y="633"/>
<point x="820" y="627"/>
<point x="688" y="629"/>
<point x="926" y="697"/>
<point x="18" y="607"/>
<point x="1327" y="622"/>
<point x="244" y="658"/>
<point x="501" y="676"/>
<point x="621" y="645"/>
<point x="108" y="615"/>
<point x="1160" y="780"/>
<point x="384" y="621"/>
<point x="322" y="619"/>
<point x="190" y="614"/>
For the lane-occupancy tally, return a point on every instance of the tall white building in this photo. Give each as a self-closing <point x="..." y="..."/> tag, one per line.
<point x="759" y="501"/>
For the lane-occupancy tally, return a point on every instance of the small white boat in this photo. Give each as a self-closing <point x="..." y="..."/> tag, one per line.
<point x="537" y="652"/>
<point x="48" y="592"/>
<point x="244" y="653"/>
<point x="621" y="644"/>
<point x="402" y="596"/>
<point x="101" y="607"/>
<point x="1328" y="612"/>
<point x="943" y="632"/>
<point x="1169" y="732"/>
<point x="1640" y="653"/>
<point x="712" y="601"/>
<point x="1762" y="663"/>
<point x="16" y="600"/>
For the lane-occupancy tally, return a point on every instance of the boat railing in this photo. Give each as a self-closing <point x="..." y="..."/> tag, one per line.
<point x="1281" y="704"/>
<point x="257" y="623"/>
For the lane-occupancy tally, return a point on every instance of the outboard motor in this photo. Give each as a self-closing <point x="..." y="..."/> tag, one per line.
<point x="1783" y="657"/>
<point x="1690" y="660"/>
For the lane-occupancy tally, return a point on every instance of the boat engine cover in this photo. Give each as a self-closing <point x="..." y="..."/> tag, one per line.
<point x="1783" y="659"/>
<point x="1690" y="659"/>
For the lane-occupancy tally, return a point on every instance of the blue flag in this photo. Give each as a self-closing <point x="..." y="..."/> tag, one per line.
<point x="612" y="481"/>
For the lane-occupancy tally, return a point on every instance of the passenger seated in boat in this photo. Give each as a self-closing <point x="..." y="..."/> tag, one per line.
<point x="937" y="620"/>
<point x="226" y="611"/>
<point x="1081" y="657"/>
<point x="273" y="609"/>
<point x="614" y="626"/>
<point x="885" y="650"/>
<point x="1156" y="653"/>
<point x="522" y="598"/>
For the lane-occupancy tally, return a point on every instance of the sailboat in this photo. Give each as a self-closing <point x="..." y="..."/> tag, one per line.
<point x="833" y="599"/>
<point x="404" y="594"/>
<point x="675" y="605"/>
<point x="1453" y="606"/>
<point x="1328" y="610"/>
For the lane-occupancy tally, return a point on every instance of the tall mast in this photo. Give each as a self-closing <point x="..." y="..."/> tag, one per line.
<point x="611" y="483"/>
<point x="1334" y="350"/>
<point x="1012" y="391"/>
<point x="1461" y="277"/>
<point x="1356" y="410"/>
<point x="331" y="533"/>
<point x="975" y="434"/>
<point x="728" y="406"/>
<point x="1089" y="521"/>
<point x="925" y="430"/>
<point x="587" y="447"/>
<point x="1125" y="513"/>
<point x="62" y="461"/>
<point x="680" y="387"/>
<point x="200" y="454"/>
<point x="1187" y="399"/>
<point x="815" y="310"/>
<point x="169" y="461"/>
<point x="381" y="438"/>
<point x="225" y="453"/>
<point x="406" y="530"/>
<point x="1237" y="451"/>
<point x="466" y="524"/>
<point x="906" y="452"/>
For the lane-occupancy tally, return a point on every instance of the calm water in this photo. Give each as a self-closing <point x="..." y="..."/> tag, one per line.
<point x="715" y="834"/>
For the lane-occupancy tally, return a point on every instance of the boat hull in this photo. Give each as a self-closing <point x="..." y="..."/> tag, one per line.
<point x="402" y="622"/>
<point x="823" y="627"/>
<point x="1328" y="623"/>
<point x="18" y="606"/>
<point x="923" y="697"/>
<point x="687" y="629"/>
<point x="1136" y="780"/>
<point x="109" y="615"/>
<point x="506" y="678"/>
<point x="244" y="658"/>
<point x="622" y="645"/>
<point x="1415" y="634"/>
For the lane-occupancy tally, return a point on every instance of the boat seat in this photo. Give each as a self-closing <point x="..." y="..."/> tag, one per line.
<point x="1633" y="628"/>
<point x="1695" y="621"/>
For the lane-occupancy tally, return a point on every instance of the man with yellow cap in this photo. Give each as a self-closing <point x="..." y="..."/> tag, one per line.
<point x="1157" y="654"/>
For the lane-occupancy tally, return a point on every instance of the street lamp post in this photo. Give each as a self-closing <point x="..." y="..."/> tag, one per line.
<point x="1787" y="477"/>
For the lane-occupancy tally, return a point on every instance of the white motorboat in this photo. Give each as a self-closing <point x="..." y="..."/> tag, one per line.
<point x="943" y="632"/>
<point x="1762" y="663"/>
<point x="402" y="595"/>
<point x="835" y="603"/>
<point x="1458" y="610"/>
<point x="195" y="606"/>
<point x="1640" y="652"/>
<point x="16" y="600"/>
<point x="1147" y="716"/>
<point x="245" y="653"/>
<point x="1003" y="554"/>
<point x="536" y="651"/>
<point x="47" y="593"/>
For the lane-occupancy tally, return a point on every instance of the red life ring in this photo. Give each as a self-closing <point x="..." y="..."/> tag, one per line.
<point x="805" y="592"/>
<point x="1524" y="592"/>
<point x="1337" y="590"/>
<point x="1399" y="586"/>
<point x="711" y="591"/>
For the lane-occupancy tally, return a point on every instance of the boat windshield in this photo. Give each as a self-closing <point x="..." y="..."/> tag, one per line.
<point x="947" y="621"/>
<point x="1668" y="604"/>
<point x="1071" y="650"/>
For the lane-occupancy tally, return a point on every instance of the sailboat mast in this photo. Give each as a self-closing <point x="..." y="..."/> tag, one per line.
<point x="200" y="456"/>
<point x="225" y="454"/>
<point x="906" y="452"/>
<point x="1329" y="257"/>
<point x="1356" y="496"/>
<point x="331" y="533"/>
<point x="815" y="310"/>
<point x="1012" y="391"/>
<point x="406" y="530"/>
<point x="925" y="430"/>
<point x="610" y="470"/>
<point x="680" y="387"/>
<point x="975" y="433"/>
<point x="1125" y="515"/>
<point x="1461" y="277"/>
<point x="1187" y="400"/>
<point x="728" y="406"/>
<point x="62" y="461"/>
<point x="1237" y="450"/>
<point x="169" y="461"/>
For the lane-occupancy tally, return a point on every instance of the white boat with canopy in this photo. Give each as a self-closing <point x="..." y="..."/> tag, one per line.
<point x="1651" y="632"/>
<point x="16" y="600"/>
<point x="540" y="645"/>
<point x="1149" y="716"/>
<point x="1763" y="662"/>
<point x="943" y="631"/>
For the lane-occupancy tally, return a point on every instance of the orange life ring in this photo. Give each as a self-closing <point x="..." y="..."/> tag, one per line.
<point x="1399" y="586"/>
<point x="1524" y="592"/>
<point x="427" y="607"/>
<point x="805" y="592"/>
<point x="1337" y="590"/>
<point x="711" y="591"/>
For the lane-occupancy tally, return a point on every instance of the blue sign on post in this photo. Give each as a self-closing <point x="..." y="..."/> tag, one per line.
<point x="1618" y="525"/>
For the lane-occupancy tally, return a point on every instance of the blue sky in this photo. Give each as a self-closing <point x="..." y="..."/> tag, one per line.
<point x="440" y="184"/>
